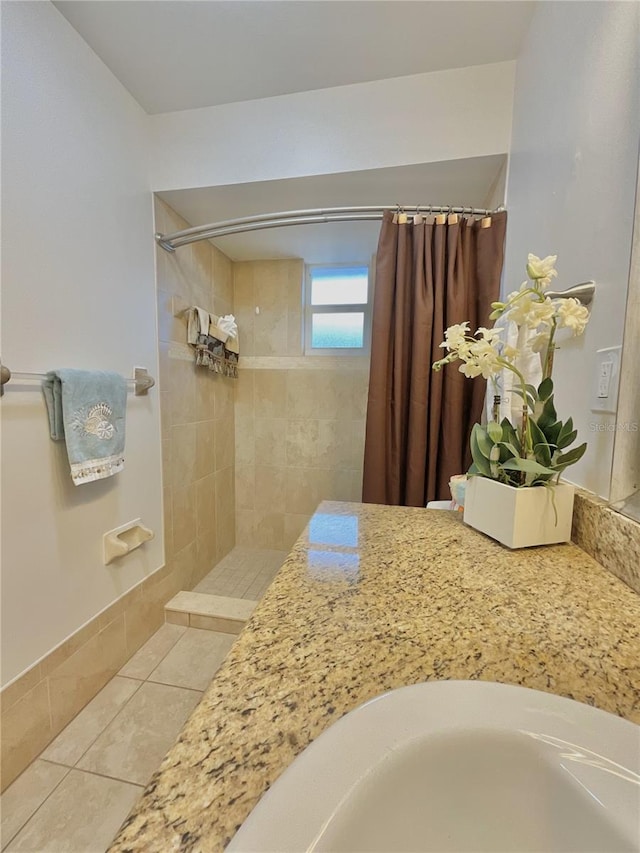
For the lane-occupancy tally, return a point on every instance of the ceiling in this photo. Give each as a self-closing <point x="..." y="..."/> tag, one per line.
<point x="183" y="54"/>
<point x="468" y="183"/>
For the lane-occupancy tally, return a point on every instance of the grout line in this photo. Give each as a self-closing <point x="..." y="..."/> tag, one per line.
<point x="141" y="785"/>
<point x="104" y="727"/>
<point x="37" y="809"/>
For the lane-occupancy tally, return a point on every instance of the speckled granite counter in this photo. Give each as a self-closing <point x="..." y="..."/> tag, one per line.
<point x="372" y="598"/>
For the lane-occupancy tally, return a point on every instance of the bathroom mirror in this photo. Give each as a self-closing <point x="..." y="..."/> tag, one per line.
<point x="625" y="478"/>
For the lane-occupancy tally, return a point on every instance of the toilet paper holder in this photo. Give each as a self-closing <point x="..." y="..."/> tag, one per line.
<point x="124" y="539"/>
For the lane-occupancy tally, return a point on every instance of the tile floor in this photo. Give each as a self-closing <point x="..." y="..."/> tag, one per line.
<point x="243" y="573"/>
<point x="75" y="796"/>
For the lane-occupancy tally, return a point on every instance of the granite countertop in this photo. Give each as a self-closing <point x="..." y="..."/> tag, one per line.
<point x="372" y="598"/>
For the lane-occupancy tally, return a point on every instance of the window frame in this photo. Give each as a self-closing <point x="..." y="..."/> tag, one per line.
<point x="365" y="308"/>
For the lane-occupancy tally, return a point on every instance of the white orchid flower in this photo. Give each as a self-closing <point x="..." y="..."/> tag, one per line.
<point x="572" y="315"/>
<point x="454" y="336"/>
<point x="541" y="270"/>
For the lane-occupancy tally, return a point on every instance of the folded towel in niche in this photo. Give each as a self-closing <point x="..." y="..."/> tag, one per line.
<point x="87" y="410"/>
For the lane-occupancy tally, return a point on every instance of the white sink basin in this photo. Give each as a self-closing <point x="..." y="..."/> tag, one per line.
<point x="461" y="766"/>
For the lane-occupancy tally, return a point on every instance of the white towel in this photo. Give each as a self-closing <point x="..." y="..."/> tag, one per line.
<point x="528" y="363"/>
<point x="228" y="324"/>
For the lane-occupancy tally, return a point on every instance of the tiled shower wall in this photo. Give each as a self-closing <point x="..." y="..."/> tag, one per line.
<point x="197" y="408"/>
<point x="299" y="420"/>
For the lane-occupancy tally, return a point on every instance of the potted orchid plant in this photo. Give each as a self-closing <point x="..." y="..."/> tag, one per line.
<point x="514" y="492"/>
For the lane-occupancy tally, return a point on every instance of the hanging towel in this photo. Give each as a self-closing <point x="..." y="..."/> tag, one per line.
<point x="528" y="363"/>
<point x="87" y="410"/>
<point x="198" y="321"/>
<point x="228" y="324"/>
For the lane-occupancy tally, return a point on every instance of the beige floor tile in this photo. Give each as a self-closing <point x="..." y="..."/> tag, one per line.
<point x="194" y="659"/>
<point x="26" y="794"/>
<point x="135" y="742"/>
<point x="81" y="816"/>
<point x="146" y="659"/>
<point x="74" y="740"/>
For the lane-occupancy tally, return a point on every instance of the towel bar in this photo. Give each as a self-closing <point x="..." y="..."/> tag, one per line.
<point x="142" y="381"/>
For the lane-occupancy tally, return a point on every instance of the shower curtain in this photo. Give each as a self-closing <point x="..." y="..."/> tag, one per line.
<point x="428" y="276"/>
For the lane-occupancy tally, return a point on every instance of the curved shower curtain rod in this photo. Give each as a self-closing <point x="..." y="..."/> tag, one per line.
<point x="171" y="242"/>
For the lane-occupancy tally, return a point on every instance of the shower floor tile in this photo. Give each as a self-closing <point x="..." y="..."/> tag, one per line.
<point x="243" y="573"/>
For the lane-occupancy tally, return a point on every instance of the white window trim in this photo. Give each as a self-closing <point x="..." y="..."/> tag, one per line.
<point x="360" y="308"/>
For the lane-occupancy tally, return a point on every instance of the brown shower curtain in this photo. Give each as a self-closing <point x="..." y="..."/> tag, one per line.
<point x="428" y="277"/>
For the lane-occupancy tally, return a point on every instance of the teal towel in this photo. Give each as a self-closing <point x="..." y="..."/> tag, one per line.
<point x="87" y="410"/>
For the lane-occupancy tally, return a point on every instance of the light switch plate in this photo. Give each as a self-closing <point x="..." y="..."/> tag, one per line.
<point x="606" y="380"/>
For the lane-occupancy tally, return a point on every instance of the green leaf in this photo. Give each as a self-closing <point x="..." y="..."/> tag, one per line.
<point x="570" y="458"/>
<point x="481" y="462"/>
<point x="540" y="445"/>
<point x="531" y="390"/>
<point x="548" y="416"/>
<point x="551" y="433"/>
<point x="567" y="440"/>
<point x="529" y="466"/>
<point x="566" y="430"/>
<point x="545" y="389"/>
<point x="484" y="442"/>
<point x="508" y="450"/>
<point x="494" y="431"/>
<point x="510" y="435"/>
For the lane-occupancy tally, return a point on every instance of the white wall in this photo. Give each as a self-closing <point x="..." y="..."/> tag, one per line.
<point x="443" y="115"/>
<point x="78" y="291"/>
<point x="571" y="186"/>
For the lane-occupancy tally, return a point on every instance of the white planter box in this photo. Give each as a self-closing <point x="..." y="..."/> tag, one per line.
<point x="519" y="518"/>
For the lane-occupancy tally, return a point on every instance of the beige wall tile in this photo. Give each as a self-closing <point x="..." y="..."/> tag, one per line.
<point x="269" y="489"/>
<point x="224" y="396"/>
<point x="245" y="486"/>
<point x="184" y="516"/>
<point x="205" y="448"/>
<point x="222" y="277"/>
<point x="183" y="455"/>
<point x="167" y="505"/>
<point x="224" y="443"/>
<point x="270" y="394"/>
<point x="134" y="743"/>
<point x="245" y="527"/>
<point x="225" y="511"/>
<point x="26" y="730"/>
<point x="245" y="449"/>
<point x="167" y="472"/>
<point x="182" y="390"/>
<point x="27" y="681"/>
<point x="205" y="505"/>
<point x="206" y="554"/>
<point x="184" y="564"/>
<point x="271" y="441"/>
<point x="307" y="487"/>
<point x="171" y="328"/>
<point x="244" y="305"/>
<point x="294" y="524"/>
<point x="243" y="406"/>
<point x="269" y="529"/>
<point x="319" y="444"/>
<point x="205" y="394"/>
<point x="77" y="680"/>
<point x="83" y="813"/>
<point x="26" y="795"/>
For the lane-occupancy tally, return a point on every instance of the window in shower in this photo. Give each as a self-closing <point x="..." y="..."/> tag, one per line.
<point x="337" y="309"/>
